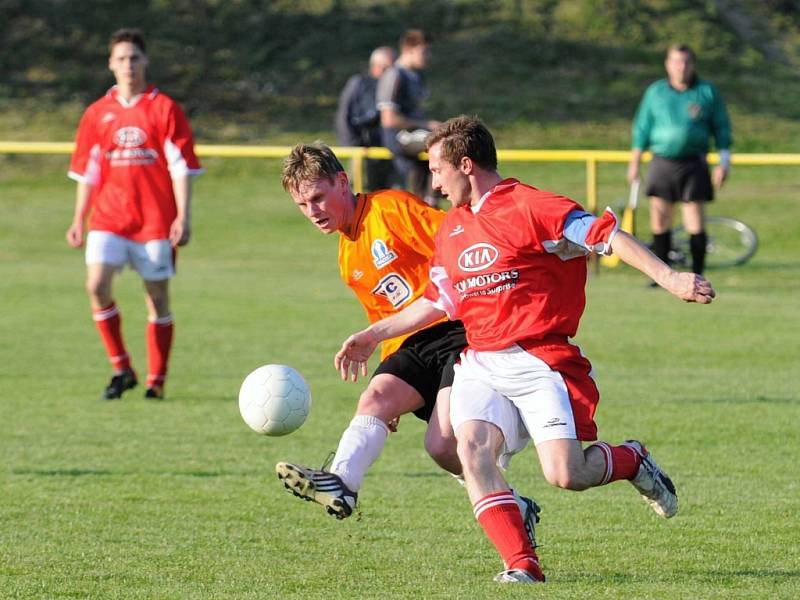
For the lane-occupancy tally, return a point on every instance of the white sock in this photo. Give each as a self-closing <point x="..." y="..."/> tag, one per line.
<point x="361" y="445"/>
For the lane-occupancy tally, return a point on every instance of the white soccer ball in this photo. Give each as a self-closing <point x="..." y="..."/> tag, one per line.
<point x="274" y="400"/>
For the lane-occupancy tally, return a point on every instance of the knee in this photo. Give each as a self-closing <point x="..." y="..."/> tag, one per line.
<point x="475" y="453"/>
<point x="565" y="477"/>
<point x="376" y="403"/>
<point x="98" y="290"/>
<point x="440" y="448"/>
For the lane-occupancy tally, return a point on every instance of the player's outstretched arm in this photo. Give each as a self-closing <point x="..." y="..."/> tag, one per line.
<point x="686" y="286"/>
<point x="355" y="351"/>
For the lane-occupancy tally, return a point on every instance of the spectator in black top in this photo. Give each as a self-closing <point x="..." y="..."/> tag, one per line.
<point x="401" y="91"/>
<point x="358" y="120"/>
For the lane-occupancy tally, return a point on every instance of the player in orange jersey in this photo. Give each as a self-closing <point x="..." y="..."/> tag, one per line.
<point x="133" y="161"/>
<point x="386" y="241"/>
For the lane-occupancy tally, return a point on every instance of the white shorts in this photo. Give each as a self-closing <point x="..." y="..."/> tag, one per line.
<point x="152" y="260"/>
<point x="515" y="391"/>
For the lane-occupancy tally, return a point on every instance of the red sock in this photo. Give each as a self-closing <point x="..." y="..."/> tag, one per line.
<point x="622" y="462"/>
<point x="500" y="518"/>
<point x="109" y="323"/>
<point x="159" y="342"/>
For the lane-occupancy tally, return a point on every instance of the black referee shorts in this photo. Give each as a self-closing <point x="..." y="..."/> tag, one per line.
<point x="680" y="179"/>
<point x="425" y="361"/>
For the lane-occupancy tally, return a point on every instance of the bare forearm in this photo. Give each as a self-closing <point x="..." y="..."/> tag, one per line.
<point x="392" y="119"/>
<point x="82" y="195"/>
<point x="689" y="287"/>
<point x="634" y="253"/>
<point x="182" y="188"/>
<point x="416" y="315"/>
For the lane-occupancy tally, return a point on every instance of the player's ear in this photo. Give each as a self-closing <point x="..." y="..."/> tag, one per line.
<point x="342" y="180"/>
<point x="466" y="165"/>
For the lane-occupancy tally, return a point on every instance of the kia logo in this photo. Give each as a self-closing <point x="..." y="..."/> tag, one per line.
<point x="129" y="137"/>
<point x="477" y="257"/>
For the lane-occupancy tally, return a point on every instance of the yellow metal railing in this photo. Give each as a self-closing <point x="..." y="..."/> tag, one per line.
<point x="591" y="158"/>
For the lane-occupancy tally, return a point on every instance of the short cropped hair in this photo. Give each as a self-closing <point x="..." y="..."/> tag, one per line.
<point x="465" y="136"/>
<point x="309" y="163"/>
<point x="127" y="34"/>
<point x="413" y="38"/>
<point x="680" y="47"/>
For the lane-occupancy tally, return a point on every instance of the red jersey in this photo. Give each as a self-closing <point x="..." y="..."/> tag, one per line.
<point x="385" y="263"/>
<point x="507" y="271"/>
<point x="129" y="153"/>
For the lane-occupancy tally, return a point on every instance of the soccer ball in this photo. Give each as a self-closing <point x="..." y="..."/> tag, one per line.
<point x="274" y="400"/>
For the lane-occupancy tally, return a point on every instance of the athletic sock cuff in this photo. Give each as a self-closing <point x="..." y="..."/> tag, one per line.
<point x="368" y="421"/>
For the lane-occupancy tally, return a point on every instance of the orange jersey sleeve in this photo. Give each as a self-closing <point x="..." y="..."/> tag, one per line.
<point x="385" y="263"/>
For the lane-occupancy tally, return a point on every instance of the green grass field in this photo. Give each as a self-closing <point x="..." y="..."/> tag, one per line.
<point x="135" y="499"/>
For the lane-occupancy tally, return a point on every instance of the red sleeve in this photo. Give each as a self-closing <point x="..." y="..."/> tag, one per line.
<point x="179" y="144"/>
<point x="601" y="232"/>
<point x="85" y="163"/>
<point x="548" y="214"/>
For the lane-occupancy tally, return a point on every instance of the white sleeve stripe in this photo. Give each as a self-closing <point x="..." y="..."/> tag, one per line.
<point x="175" y="160"/>
<point x="77" y="177"/>
<point x="445" y="301"/>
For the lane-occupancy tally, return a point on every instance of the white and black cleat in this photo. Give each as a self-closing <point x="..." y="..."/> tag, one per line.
<point x="316" y="485"/>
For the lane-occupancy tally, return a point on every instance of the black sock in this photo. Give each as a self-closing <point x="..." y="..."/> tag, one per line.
<point x="662" y="242"/>
<point x="697" y="244"/>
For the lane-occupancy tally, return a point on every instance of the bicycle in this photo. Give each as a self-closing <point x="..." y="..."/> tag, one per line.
<point x="730" y="241"/>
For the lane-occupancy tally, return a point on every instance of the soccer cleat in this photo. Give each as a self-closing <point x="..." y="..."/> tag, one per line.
<point x="520" y="576"/>
<point x="154" y="392"/>
<point x="118" y="384"/>
<point x="653" y="484"/>
<point x="530" y="516"/>
<point x="316" y="485"/>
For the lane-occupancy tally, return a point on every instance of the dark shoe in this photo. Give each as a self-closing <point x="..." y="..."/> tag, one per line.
<point x="154" y="392"/>
<point x="118" y="384"/>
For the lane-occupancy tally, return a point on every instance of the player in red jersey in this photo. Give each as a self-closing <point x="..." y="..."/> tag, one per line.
<point x="510" y="262"/>
<point x="133" y="161"/>
<point x="386" y="240"/>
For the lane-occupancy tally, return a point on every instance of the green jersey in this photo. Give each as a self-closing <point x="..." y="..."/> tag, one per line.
<point x="676" y="124"/>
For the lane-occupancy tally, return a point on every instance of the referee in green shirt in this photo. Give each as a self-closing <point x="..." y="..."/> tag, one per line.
<point x="675" y="121"/>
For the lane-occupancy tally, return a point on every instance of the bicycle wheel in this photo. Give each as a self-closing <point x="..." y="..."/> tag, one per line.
<point x="730" y="242"/>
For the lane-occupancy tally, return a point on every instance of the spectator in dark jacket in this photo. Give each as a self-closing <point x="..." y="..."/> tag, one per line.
<point x="358" y="122"/>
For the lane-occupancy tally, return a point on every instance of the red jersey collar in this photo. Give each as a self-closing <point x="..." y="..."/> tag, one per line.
<point x="151" y="91"/>
<point x="503" y="185"/>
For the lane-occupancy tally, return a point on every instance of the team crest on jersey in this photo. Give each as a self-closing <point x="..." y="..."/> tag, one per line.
<point x="108" y="117"/>
<point x="381" y="254"/>
<point x="477" y="257"/>
<point x="695" y="110"/>
<point x="394" y="288"/>
<point x="129" y="137"/>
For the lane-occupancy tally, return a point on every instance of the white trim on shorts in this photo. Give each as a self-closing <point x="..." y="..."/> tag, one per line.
<point x="152" y="259"/>
<point x="515" y="391"/>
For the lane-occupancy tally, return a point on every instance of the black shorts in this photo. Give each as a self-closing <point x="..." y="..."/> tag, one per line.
<point x="425" y="362"/>
<point x="680" y="179"/>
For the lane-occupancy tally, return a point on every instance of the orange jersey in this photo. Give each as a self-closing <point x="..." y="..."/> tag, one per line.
<point x="386" y="262"/>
